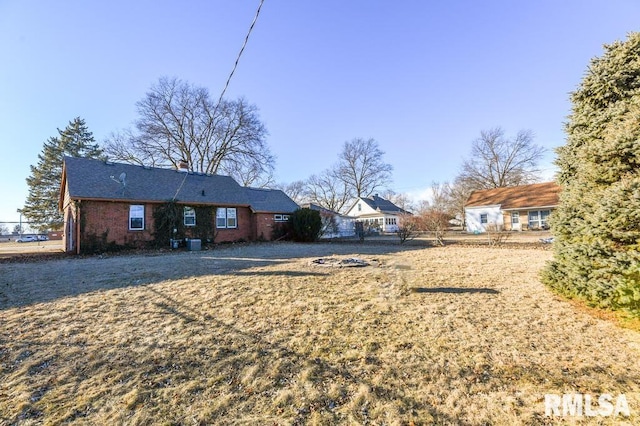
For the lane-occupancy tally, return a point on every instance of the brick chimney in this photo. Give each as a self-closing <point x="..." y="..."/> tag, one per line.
<point x="183" y="166"/>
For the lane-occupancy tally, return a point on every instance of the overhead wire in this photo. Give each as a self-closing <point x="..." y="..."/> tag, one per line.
<point x="235" y="65"/>
<point x="226" y="86"/>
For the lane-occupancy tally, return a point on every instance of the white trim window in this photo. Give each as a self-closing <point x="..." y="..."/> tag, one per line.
<point x="281" y="217"/>
<point x="484" y="218"/>
<point x="539" y="219"/>
<point x="515" y="218"/>
<point x="226" y="217"/>
<point x="136" y="217"/>
<point x="189" y="216"/>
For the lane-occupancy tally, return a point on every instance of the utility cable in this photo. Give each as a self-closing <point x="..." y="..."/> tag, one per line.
<point x="246" y="40"/>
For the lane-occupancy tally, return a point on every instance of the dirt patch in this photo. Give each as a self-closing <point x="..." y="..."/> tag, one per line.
<point x="257" y="334"/>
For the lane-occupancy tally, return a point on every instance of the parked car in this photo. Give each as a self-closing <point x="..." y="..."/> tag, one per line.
<point x="43" y="238"/>
<point x="26" y="239"/>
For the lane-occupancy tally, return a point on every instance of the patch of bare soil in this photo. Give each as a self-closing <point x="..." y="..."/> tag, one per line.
<point x="259" y="334"/>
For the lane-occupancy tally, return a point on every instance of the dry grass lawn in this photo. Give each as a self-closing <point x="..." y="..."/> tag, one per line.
<point x="258" y="334"/>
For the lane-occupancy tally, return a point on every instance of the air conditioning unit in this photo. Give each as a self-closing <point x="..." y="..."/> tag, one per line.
<point x="194" y="245"/>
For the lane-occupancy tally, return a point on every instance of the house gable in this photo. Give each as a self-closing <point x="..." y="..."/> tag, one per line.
<point x="374" y="206"/>
<point x="360" y="208"/>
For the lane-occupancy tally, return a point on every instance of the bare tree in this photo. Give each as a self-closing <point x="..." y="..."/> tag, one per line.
<point x="296" y="190"/>
<point x="435" y="215"/>
<point x="178" y="121"/>
<point x="496" y="234"/>
<point x="457" y="194"/>
<point x="401" y="200"/>
<point x="328" y="190"/>
<point x="439" y="200"/>
<point x="362" y="168"/>
<point x="497" y="161"/>
<point x="409" y="227"/>
<point x="437" y="223"/>
<point x="249" y="173"/>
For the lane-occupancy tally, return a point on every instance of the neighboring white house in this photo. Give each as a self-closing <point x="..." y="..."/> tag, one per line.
<point x="515" y="208"/>
<point x="376" y="213"/>
<point x="334" y="224"/>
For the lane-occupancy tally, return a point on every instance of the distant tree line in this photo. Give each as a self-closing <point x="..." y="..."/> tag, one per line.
<point x="178" y="121"/>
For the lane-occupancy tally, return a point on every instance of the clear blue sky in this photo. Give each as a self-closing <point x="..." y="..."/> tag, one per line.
<point x="423" y="78"/>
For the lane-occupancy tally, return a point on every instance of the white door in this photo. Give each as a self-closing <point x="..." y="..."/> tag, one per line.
<point x="515" y="221"/>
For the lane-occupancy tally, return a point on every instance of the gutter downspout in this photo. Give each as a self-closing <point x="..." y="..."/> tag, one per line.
<point x="77" y="229"/>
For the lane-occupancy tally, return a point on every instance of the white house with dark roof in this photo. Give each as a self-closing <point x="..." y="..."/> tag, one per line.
<point x="377" y="213"/>
<point x="113" y="204"/>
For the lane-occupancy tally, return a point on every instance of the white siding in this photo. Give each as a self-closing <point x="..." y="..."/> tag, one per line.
<point x="360" y="208"/>
<point x="473" y="217"/>
<point x="345" y="228"/>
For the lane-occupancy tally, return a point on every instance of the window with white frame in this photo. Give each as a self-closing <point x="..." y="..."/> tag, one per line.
<point x="136" y="217"/>
<point x="226" y="217"/>
<point x="544" y="219"/>
<point x="281" y="217"/>
<point x="484" y="219"/>
<point x="189" y="216"/>
<point x="539" y="219"/>
<point x="515" y="218"/>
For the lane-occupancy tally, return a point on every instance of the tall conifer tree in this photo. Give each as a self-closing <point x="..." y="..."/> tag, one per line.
<point x="597" y="223"/>
<point x="41" y="207"/>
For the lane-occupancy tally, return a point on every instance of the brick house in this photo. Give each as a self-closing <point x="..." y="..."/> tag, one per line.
<point x="115" y="203"/>
<point x="515" y="208"/>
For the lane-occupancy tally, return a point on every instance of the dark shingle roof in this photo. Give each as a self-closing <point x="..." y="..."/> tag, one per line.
<point x="380" y="204"/>
<point x="517" y="197"/>
<point x="321" y="209"/>
<point x="95" y="179"/>
<point x="270" y="200"/>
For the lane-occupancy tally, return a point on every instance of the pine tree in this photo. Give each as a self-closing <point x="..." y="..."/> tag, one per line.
<point x="41" y="207"/>
<point x="597" y="223"/>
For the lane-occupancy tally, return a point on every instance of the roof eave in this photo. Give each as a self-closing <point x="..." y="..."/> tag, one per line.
<point x="483" y="206"/>
<point x="550" y="206"/>
<point x="134" y="201"/>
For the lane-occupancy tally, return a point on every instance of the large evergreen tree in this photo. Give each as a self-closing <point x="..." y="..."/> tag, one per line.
<point x="597" y="224"/>
<point x="41" y="207"/>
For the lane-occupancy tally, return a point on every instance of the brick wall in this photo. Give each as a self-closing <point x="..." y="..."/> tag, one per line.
<point x="265" y="224"/>
<point x="109" y="222"/>
<point x="244" y="231"/>
<point x="102" y="218"/>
